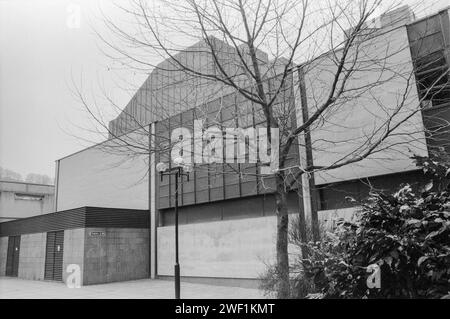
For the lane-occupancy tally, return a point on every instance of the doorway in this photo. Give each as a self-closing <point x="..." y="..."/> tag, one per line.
<point x="12" y="258"/>
<point x="54" y="252"/>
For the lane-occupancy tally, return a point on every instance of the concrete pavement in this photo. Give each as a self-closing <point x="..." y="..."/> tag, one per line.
<point x="13" y="288"/>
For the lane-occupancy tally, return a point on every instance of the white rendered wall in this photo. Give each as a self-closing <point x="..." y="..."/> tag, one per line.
<point x="341" y="132"/>
<point x="329" y="218"/>
<point x="240" y="248"/>
<point x="12" y="206"/>
<point x="100" y="177"/>
<point x="225" y="249"/>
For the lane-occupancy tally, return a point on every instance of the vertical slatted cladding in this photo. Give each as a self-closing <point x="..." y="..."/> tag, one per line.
<point x="59" y="252"/>
<point x="49" y="256"/>
<point x="12" y="258"/>
<point x="54" y="256"/>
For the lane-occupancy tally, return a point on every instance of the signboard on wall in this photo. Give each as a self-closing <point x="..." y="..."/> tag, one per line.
<point x="97" y="234"/>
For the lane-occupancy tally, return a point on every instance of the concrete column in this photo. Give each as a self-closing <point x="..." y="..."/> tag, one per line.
<point x="299" y="100"/>
<point x="55" y="200"/>
<point x="153" y="219"/>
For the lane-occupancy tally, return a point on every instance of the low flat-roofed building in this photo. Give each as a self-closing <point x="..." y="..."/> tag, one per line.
<point x="21" y="200"/>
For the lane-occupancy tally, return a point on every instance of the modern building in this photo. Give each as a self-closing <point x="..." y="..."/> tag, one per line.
<point x="21" y="200"/>
<point x="106" y="244"/>
<point x="227" y="211"/>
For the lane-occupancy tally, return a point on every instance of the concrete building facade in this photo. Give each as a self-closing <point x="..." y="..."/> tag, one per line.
<point x="22" y="200"/>
<point x="227" y="211"/>
<point x="101" y="244"/>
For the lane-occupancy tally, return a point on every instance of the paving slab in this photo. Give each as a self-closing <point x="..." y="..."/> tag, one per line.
<point x="14" y="288"/>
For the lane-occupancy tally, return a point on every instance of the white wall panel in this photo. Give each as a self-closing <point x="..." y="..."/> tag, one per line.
<point x="330" y="218"/>
<point x="13" y="206"/>
<point x="229" y="249"/>
<point x="100" y="177"/>
<point x="343" y="131"/>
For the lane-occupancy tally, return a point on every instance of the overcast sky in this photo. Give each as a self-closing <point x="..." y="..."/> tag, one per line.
<point x="41" y="50"/>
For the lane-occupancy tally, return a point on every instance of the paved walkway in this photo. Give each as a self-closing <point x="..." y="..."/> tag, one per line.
<point x="148" y="289"/>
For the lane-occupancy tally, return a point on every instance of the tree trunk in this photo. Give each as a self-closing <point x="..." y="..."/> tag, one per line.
<point x="282" y="239"/>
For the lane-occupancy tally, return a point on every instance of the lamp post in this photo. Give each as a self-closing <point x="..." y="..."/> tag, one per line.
<point x="179" y="169"/>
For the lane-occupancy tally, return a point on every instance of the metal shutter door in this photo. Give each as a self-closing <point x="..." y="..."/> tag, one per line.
<point x="54" y="256"/>
<point x="49" y="256"/>
<point x="16" y="256"/>
<point x="12" y="258"/>
<point x="58" y="255"/>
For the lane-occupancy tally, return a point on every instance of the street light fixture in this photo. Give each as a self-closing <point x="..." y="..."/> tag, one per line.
<point x="161" y="167"/>
<point x="180" y="168"/>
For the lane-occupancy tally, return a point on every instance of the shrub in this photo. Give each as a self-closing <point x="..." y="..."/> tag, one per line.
<point x="300" y="285"/>
<point x="406" y="234"/>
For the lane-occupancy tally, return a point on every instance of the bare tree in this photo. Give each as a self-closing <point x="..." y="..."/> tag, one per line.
<point x="9" y="175"/>
<point x="330" y="57"/>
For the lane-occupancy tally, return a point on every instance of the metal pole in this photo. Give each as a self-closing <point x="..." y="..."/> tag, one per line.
<point x="177" y="265"/>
